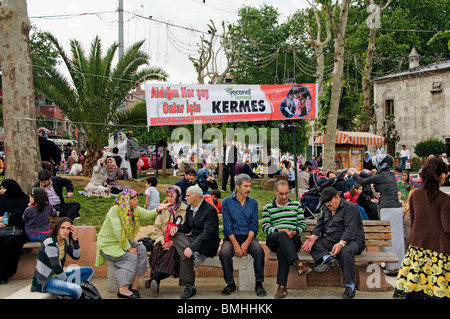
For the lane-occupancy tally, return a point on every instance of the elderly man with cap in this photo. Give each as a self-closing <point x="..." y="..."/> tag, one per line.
<point x="196" y="239"/>
<point x="338" y="236"/>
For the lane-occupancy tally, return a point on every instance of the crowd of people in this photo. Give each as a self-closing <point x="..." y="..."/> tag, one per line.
<point x="187" y="225"/>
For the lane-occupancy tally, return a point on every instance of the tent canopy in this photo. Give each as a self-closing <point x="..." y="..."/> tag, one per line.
<point x="354" y="138"/>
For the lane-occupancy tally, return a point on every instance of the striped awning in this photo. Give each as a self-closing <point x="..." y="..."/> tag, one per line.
<point x="354" y="138"/>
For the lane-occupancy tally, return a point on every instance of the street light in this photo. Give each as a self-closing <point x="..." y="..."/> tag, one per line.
<point x="291" y="126"/>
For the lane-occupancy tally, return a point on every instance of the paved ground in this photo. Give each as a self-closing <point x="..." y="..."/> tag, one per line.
<point x="210" y="288"/>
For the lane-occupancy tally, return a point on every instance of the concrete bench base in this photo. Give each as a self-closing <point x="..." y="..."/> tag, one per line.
<point x="244" y="266"/>
<point x="369" y="275"/>
<point x="25" y="293"/>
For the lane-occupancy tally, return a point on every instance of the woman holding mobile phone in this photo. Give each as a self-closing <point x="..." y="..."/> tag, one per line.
<point x="49" y="275"/>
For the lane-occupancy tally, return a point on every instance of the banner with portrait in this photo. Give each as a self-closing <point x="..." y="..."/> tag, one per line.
<point x="220" y="103"/>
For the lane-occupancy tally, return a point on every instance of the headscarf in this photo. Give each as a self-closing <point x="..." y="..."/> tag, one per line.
<point x="369" y="157"/>
<point x="128" y="217"/>
<point x="109" y="159"/>
<point x="42" y="132"/>
<point x="74" y="156"/>
<point x="177" y="191"/>
<point x="382" y="161"/>
<point x="202" y="174"/>
<point x="14" y="201"/>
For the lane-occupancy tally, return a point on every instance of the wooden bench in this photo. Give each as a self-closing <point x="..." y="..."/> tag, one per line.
<point x="377" y="234"/>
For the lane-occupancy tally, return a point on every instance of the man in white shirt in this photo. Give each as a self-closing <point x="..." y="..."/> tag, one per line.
<point x="380" y="150"/>
<point x="404" y="154"/>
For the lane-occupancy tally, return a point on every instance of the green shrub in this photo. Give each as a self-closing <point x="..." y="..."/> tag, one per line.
<point x="429" y="147"/>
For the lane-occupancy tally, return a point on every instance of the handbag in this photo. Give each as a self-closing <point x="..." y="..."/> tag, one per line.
<point x="89" y="291"/>
<point x="148" y="243"/>
<point x="177" y="221"/>
<point x="10" y="231"/>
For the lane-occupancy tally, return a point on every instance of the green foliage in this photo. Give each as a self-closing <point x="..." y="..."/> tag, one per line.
<point x="349" y="108"/>
<point x="93" y="94"/>
<point x="94" y="209"/>
<point x="390" y="132"/>
<point x="429" y="147"/>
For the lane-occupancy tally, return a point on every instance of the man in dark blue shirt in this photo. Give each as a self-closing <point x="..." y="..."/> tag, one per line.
<point x="240" y="226"/>
<point x="185" y="182"/>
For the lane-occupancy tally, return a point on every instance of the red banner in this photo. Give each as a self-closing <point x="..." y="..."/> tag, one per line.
<point x="190" y="104"/>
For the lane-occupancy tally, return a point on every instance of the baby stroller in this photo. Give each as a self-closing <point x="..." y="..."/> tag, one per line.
<point x="310" y="201"/>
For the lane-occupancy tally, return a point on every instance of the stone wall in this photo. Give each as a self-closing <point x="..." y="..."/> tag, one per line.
<point x="421" y="106"/>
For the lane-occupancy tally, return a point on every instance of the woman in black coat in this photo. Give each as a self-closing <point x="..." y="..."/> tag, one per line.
<point x="13" y="201"/>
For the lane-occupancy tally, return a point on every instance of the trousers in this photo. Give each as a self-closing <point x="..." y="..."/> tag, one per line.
<point x="346" y="256"/>
<point x="228" y="172"/>
<point x="226" y="255"/>
<point x="129" y="265"/>
<point x="286" y="249"/>
<point x="187" y="272"/>
<point x="70" y="287"/>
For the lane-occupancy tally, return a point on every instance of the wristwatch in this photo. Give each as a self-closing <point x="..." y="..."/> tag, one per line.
<point x="343" y="245"/>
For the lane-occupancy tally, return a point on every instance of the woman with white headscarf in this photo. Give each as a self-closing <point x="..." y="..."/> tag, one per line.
<point x="122" y="146"/>
<point x="97" y="186"/>
<point x="390" y="208"/>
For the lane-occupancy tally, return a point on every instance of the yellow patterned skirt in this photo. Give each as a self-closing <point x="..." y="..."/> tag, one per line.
<point x="424" y="274"/>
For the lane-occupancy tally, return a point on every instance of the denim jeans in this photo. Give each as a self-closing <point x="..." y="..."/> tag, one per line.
<point x="38" y="237"/>
<point x="71" y="286"/>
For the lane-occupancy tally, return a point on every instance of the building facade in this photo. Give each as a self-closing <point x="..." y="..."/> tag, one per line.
<point x="419" y="98"/>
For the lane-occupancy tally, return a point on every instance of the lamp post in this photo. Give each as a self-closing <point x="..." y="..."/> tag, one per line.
<point x="291" y="127"/>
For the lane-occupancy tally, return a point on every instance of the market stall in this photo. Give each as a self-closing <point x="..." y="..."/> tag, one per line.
<point x="349" y="150"/>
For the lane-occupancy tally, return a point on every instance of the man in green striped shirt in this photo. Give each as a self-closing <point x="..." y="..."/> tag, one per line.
<point x="283" y="222"/>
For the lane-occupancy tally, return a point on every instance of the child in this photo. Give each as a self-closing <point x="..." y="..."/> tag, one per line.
<point x="37" y="215"/>
<point x="152" y="199"/>
<point x="215" y="195"/>
<point x="352" y="196"/>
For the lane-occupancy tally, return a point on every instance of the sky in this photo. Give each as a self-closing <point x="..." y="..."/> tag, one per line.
<point x="169" y="44"/>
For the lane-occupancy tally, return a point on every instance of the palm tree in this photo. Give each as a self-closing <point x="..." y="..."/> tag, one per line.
<point x="92" y="96"/>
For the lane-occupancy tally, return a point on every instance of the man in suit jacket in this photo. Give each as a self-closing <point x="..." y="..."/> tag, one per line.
<point x="203" y="224"/>
<point x="54" y="186"/>
<point x="230" y="159"/>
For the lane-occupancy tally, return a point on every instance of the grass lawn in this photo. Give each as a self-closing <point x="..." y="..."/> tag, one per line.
<point x="94" y="209"/>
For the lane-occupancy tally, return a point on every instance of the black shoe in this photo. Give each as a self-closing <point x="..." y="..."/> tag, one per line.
<point x="134" y="291"/>
<point x="189" y="292"/>
<point x="4" y="281"/>
<point x="260" y="291"/>
<point x="348" y="293"/>
<point x="230" y="288"/>
<point x="326" y="264"/>
<point x="198" y="259"/>
<point x="132" y="296"/>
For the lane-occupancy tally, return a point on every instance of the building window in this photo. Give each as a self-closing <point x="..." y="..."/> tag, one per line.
<point x="389" y="107"/>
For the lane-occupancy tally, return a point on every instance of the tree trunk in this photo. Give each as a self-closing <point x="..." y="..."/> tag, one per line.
<point x="90" y="161"/>
<point x="367" y="107"/>
<point x="367" y="76"/>
<point x="336" y="83"/>
<point x="164" y="162"/>
<point x="19" y="116"/>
